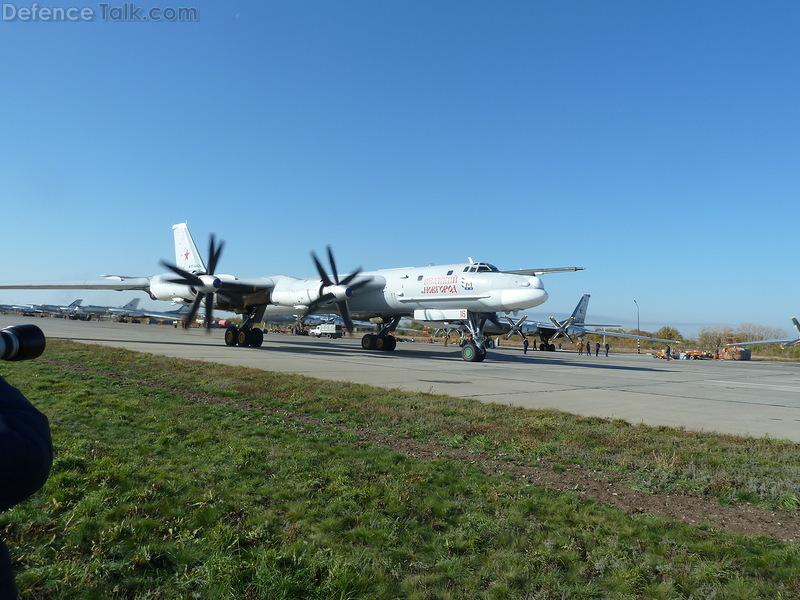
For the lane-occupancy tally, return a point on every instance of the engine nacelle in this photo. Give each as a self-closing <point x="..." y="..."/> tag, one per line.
<point x="161" y="289"/>
<point x="299" y="293"/>
<point x="210" y="285"/>
<point x="340" y="292"/>
<point x="294" y="297"/>
<point x="575" y="332"/>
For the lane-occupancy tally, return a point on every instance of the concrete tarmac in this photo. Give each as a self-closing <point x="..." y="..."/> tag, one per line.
<point x="754" y="398"/>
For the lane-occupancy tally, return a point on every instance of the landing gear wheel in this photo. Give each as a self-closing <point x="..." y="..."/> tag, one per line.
<point x="231" y="336"/>
<point x="471" y="353"/>
<point x="256" y="338"/>
<point x="387" y="343"/>
<point x="368" y="341"/>
<point x="244" y="337"/>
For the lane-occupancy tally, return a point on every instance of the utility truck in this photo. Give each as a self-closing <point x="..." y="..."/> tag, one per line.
<point x="331" y="330"/>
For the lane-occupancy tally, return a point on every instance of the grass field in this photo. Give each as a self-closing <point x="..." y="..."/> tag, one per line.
<point x="178" y="479"/>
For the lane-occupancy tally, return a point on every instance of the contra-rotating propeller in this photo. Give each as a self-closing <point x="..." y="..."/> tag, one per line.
<point x="516" y="327"/>
<point x="335" y="290"/>
<point x="206" y="285"/>
<point x="562" y="328"/>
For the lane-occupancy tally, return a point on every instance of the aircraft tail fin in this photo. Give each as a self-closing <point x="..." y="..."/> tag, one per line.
<point x="76" y="303"/>
<point x="579" y="314"/>
<point x="186" y="255"/>
<point x="796" y="324"/>
<point x="132" y="305"/>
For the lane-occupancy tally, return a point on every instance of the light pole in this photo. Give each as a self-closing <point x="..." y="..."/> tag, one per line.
<point x="638" y="329"/>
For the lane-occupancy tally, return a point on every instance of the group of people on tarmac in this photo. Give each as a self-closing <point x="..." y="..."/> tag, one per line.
<point x="588" y="348"/>
<point x="581" y="348"/>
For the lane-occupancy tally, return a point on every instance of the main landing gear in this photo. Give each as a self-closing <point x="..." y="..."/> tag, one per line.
<point x="246" y="335"/>
<point x="383" y="340"/>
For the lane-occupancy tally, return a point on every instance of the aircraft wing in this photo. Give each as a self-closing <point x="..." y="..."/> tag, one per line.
<point x="108" y="283"/>
<point x="535" y="272"/>
<point x="247" y="285"/>
<point x="629" y="335"/>
<point x="786" y="342"/>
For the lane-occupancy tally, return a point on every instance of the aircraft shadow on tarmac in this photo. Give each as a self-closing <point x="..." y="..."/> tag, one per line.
<point x="324" y="348"/>
<point x="116" y="341"/>
<point x="321" y="348"/>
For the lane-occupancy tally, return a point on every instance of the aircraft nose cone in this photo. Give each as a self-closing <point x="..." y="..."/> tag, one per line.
<point x="523" y="298"/>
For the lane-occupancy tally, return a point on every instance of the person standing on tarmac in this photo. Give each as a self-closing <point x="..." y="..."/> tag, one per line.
<point x="26" y="456"/>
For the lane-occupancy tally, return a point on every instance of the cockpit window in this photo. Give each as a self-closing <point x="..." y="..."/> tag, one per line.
<point x="483" y="268"/>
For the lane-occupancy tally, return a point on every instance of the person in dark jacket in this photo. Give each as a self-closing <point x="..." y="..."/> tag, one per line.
<point x="26" y="456"/>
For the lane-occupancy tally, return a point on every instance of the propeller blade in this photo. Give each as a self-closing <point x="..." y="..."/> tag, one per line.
<point x="353" y="275"/>
<point x="333" y="264"/>
<point x="214" y="254"/>
<point x="193" y="311"/>
<point x="344" y="311"/>
<point x="318" y="302"/>
<point x="209" y="311"/>
<point x="516" y="327"/>
<point x="360" y="284"/>
<point x="341" y="305"/>
<point x="562" y="328"/>
<point x="558" y="327"/>
<point x="186" y="277"/>
<point x="326" y="281"/>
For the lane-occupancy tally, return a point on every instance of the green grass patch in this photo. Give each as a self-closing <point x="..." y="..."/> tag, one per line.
<point x="178" y="479"/>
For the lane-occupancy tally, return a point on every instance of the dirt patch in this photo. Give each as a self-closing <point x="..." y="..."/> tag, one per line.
<point x="744" y="519"/>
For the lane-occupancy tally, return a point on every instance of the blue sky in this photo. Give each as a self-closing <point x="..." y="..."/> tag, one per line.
<point x="654" y="143"/>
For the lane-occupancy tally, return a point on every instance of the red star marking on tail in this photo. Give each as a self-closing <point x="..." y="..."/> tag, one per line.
<point x="186" y="255"/>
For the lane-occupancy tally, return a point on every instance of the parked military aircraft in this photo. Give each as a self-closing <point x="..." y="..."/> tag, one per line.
<point x="785" y="343"/>
<point x="573" y="327"/>
<point x="131" y="312"/>
<point x="39" y="310"/>
<point x="471" y="294"/>
<point x="86" y="312"/>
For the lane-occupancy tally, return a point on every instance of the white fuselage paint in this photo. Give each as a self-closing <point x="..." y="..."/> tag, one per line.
<point x="399" y="292"/>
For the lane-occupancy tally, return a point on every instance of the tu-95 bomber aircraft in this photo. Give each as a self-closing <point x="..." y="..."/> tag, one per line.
<point x="471" y="294"/>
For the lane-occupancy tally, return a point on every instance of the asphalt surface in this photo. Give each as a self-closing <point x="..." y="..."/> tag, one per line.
<point x="754" y="398"/>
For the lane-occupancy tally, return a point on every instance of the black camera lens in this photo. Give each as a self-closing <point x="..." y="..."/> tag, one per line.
<point x="21" y="342"/>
